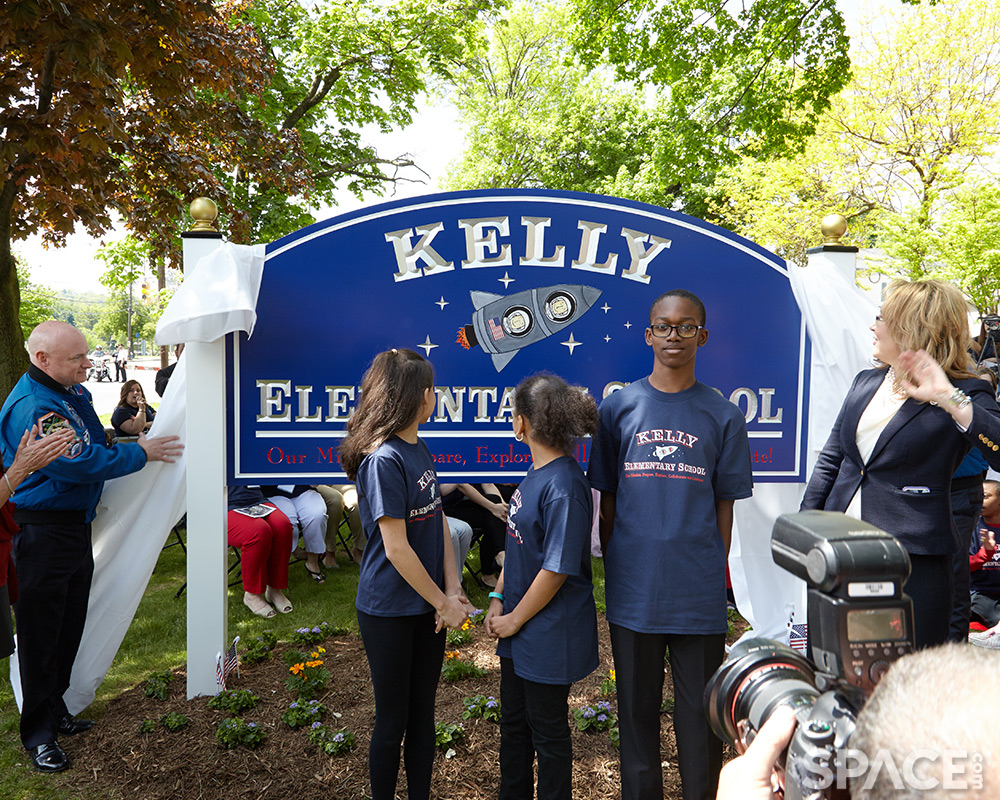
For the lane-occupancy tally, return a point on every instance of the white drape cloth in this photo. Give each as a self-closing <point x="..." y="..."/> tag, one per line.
<point x="136" y="513"/>
<point x="838" y="315"/>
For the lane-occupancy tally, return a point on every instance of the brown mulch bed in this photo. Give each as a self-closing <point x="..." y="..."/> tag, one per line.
<point x="117" y="761"/>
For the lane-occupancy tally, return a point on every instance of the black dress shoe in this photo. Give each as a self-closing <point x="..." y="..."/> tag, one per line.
<point x="69" y="725"/>
<point x="49" y="757"/>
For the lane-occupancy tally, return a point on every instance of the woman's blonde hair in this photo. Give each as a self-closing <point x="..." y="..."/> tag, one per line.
<point x="931" y="316"/>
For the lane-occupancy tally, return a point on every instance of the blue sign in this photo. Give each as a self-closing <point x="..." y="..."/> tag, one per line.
<point x="493" y="286"/>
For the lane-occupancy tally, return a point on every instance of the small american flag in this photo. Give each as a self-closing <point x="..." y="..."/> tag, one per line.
<point x="798" y="637"/>
<point x="496" y="330"/>
<point x="223" y="666"/>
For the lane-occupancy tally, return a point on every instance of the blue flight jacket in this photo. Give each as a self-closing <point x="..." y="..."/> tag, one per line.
<point x="73" y="481"/>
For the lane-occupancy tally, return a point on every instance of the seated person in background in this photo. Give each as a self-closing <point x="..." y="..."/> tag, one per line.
<point x="482" y="506"/>
<point x="306" y="510"/>
<point x="132" y="416"/>
<point x="163" y="375"/>
<point x="984" y="570"/>
<point x="264" y="536"/>
<point x="461" y="540"/>
<point x="338" y="499"/>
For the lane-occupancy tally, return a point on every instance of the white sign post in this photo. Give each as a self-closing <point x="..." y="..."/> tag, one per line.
<point x="207" y="609"/>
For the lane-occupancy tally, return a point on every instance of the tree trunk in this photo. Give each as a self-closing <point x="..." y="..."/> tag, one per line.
<point x="13" y="355"/>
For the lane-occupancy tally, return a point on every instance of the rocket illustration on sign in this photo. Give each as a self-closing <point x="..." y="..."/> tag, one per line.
<point x="503" y="325"/>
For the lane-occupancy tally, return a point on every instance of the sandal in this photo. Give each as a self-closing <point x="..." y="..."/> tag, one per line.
<point x="319" y="577"/>
<point x="262" y="609"/>
<point x="278" y="599"/>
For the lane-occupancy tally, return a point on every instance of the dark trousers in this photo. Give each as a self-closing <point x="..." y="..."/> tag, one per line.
<point x="966" y="506"/>
<point x="534" y="721"/>
<point x="930" y="588"/>
<point x="639" y="659"/>
<point x="55" y="565"/>
<point x="120" y="372"/>
<point x="404" y="656"/>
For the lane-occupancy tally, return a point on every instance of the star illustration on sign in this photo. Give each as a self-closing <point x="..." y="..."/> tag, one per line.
<point x="607" y="338"/>
<point x="628" y="324"/>
<point x="605" y="308"/>
<point x="427" y="345"/>
<point x="571" y="343"/>
<point x="506" y="280"/>
<point x="442" y="302"/>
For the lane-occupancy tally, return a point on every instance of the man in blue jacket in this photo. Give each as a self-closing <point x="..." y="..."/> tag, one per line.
<point x="54" y="508"/>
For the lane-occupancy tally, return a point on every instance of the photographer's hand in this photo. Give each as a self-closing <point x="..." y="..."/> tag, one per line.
<point x="750" y="776"/>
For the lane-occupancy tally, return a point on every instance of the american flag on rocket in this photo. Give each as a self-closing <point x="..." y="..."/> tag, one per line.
<point x="496" y="329"/>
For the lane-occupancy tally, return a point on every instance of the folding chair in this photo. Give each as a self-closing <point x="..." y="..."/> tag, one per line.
<point x="345" y="539"/>
<point x="234" y="566"/>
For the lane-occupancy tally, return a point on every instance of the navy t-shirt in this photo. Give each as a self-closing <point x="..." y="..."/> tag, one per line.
<point x="548" y="527"/>
<point x="398" y="481"/>
<point x="124" y="414"/>
<point x="668" y="457"/>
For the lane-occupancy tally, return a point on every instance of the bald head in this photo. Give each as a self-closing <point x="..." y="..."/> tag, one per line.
<point x="60" y="351"/>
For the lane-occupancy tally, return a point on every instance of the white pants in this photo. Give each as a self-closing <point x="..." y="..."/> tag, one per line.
<point x="308" y="514"/>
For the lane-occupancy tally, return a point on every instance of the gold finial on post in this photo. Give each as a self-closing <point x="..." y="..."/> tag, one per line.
<point x="833" y="227"/>
<point x="204" y="211"/>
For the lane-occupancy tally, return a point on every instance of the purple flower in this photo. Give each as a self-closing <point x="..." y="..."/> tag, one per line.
<point x="316" y="725"/>
<point x="587" y="712"/>
<point x="316" y="630"/>
<point x="491" y="703"/>
<point x="252" y="725"/>
<point x="294" y="705"/>
<point x="602" y="717"/>
<point x="339" y="737"/>
<point x="603" y="705"/>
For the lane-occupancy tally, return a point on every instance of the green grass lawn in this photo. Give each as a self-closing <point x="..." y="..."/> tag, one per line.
<point x="157" y="639"/>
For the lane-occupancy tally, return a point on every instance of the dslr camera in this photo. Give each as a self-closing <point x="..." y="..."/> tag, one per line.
<point x="859" y="622"/>
<point x="991" y="324"/>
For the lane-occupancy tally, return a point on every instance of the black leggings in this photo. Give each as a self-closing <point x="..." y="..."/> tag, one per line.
<point x="404" y="656"/>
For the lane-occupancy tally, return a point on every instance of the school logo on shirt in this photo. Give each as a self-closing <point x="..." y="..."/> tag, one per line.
<point x="671" y="437"/>
<point x="674" y="468"/>
<point x="428" y="479"/>
<point x="512" y="508"/>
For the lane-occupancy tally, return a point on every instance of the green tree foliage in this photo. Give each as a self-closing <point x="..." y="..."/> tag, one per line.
<point x="340" y="67"/>
<point x="730" y="78"/>
<point x="112" y="325"/>
<point x="125" y="262"/>
<point x="112" y="105"/>
<point x="37" y="302"/>
<point x="537" y="118"/>
<point x="919" y="117"/>
<point x="966" y="244"/>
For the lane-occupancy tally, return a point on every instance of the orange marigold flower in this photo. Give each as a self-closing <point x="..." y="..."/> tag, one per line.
<point x="295" y="669"/>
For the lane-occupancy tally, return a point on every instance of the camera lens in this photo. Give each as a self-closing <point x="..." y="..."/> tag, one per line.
<point x="759" y="676"/>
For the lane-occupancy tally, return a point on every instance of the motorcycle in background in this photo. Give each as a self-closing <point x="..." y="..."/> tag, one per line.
<point x="101" y="368"/>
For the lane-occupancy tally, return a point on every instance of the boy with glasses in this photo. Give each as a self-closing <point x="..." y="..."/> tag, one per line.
<point x="669" y="460"/>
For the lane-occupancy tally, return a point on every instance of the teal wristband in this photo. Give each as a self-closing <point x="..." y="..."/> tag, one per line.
<point x="497" y="595"/>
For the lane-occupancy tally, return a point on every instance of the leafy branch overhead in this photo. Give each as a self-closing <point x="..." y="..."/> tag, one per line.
<point x="730" y="75"/>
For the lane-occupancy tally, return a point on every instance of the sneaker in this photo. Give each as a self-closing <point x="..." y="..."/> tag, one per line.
<point x="989" y="638"/>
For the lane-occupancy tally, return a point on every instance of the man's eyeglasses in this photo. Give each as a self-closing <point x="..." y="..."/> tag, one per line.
<point x="661" y="330"/>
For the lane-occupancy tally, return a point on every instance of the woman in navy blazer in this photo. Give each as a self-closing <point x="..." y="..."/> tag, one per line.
<point x="901" y="433"/>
